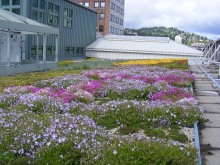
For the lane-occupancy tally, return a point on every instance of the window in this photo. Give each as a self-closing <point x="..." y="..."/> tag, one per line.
<point x="77" y="50"/>
<point x="5" y="2"/>
<point x="41" y="16"/>
<point x="15" y="2"/>
<point x="113" y="18"/>
<point x="68" y="16"/>
<point x="81" y="50"/>
<point x="81" y="3"/>
<point x="111" y="29"/>
<point x="53" y="16"/>
<point x="35" y="3"/>
<point x="116" y="19"/>
<point x="68" y="13"/>
<point x="67" y="50"/>
<point x="50" y="7"/>
<point x="33" y="50"/>
<point x="16" y="11"/>
<point x="42" y="4"/>
<point x="55" y="20"/>
<point x="56" y="9"/>
<point x="34" y="15"/>
<point x="67" y="23"/>
<point x="96" y="4"/>
<point x="102" y="16"/>
<point x="72" y="50"/>
<point x="38" y="13"/>
<point x="101" y="28"/>
<point x="87" y="4"/>
<point x="40" y="50"/>
<point x="116" y="31"/>
<point x="121" y="22"/>
<point x="49" y="50"/>
<point x="117" y="9"/>
<point x="102" y="4"/>
<point x="50" y="19"/>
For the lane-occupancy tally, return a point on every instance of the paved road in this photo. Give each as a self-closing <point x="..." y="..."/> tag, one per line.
<point x="208" y="96"/>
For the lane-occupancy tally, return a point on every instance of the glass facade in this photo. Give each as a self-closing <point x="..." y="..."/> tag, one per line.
<point x="16" y="11"/>
<point x="5" y="3"/>
<point x="15" y="2"/>
<point x="35" y="3"/>
<point x="42" y="4"/>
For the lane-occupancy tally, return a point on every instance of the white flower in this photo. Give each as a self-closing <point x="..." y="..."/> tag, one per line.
<point x="48" y="143"/>
<point x="115" y="152"/>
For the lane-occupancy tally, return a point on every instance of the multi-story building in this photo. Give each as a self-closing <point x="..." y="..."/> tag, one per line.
<point x="110" y="15"/>
<point x="76" y="24"/>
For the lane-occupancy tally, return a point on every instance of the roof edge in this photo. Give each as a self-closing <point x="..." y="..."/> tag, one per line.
<point x="140" y="52"/>
<point x="81" y="6"/>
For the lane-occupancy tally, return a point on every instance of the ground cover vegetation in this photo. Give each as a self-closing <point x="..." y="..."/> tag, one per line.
<point x="115" y="115"/>
<point x="171" y="63"/>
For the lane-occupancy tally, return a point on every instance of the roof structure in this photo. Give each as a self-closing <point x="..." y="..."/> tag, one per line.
<point x="14" y="22"/>
<point x="75" y="2"/>
<point x="142" y="45"/>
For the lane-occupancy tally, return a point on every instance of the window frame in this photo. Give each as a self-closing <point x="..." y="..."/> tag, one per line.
<point x="32" y="14"/>
<point x="101" y="4"/>
<point x="101" y="16"/>
<point x="96" y="4"/>
<point x="68" y="18"/>
<point x="86" y="4"/>
<point x="53" y="14"/>
<point x="40" y="5"/>
<point x="101" y="27"/>
<point x="15" y="4"/>
<point x="35" y="2"/>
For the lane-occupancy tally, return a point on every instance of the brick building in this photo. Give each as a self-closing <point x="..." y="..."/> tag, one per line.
<point x="110" y="15"/>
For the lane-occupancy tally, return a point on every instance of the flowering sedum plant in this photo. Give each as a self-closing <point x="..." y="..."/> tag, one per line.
<point x="121" y="115"/>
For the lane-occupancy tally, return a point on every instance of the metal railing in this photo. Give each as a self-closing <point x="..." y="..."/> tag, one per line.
<point x="211" y="53"/>
<point x="209" y="75"/>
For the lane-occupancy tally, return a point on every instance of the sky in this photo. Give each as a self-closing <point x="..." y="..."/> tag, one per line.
<point x="196" y="16"/>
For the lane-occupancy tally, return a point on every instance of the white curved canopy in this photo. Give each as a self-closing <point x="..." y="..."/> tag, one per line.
<point x="142" y="45"/>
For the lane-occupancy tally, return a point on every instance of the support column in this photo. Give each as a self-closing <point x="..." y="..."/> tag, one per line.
<point x="44" y="48"/>
<point x="8" y="47"/>
<point x="218" y="56"/>
<point x="57" y="45"/>
<point x="219" y="72"/>
<point x="37" y="55"/>
<point x="212" y="50"/>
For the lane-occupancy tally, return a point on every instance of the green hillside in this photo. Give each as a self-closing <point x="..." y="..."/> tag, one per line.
<point x="188" y="38"/>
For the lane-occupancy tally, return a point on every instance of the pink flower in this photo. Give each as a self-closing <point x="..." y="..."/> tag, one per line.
<point x="172" y="94"/>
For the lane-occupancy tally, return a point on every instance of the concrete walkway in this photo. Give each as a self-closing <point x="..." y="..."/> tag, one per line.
<point x="208" y="96"/>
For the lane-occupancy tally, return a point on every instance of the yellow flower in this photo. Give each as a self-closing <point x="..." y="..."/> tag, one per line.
<point x="149" y="61"/>
<point x="67" y="62"/>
